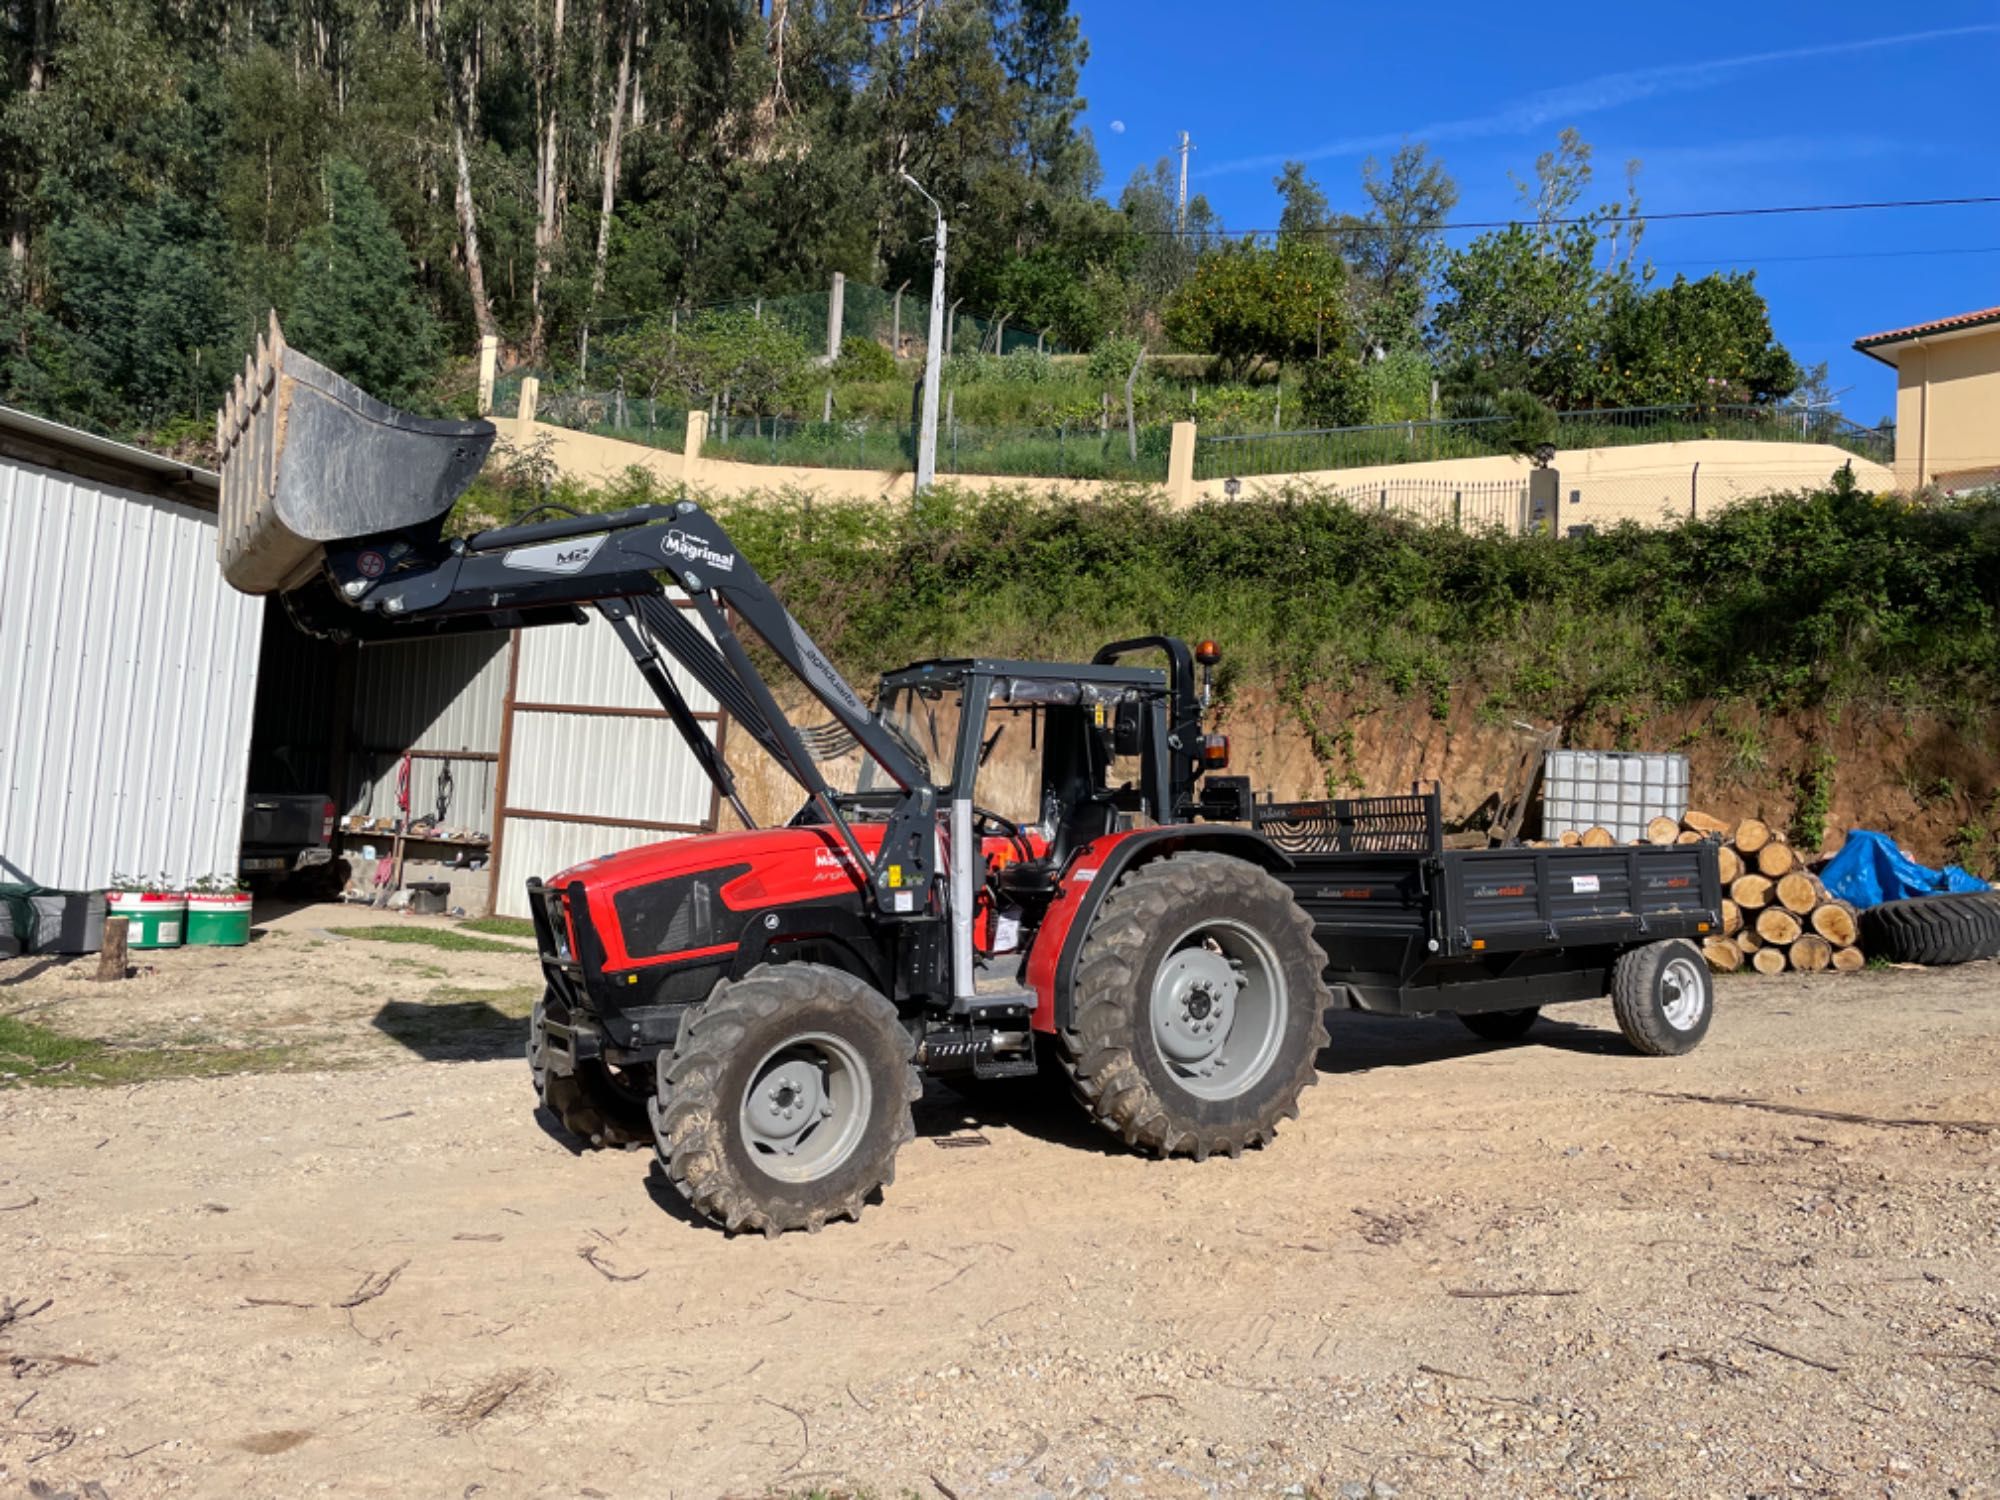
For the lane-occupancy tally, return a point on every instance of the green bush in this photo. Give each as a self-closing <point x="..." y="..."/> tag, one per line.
<point x="862" y="359"/>
<point x="1791" y="600"/>
<point x="1334" y="392"/>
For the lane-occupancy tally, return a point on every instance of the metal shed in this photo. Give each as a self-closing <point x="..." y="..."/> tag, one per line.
<point x="130" y="667"/>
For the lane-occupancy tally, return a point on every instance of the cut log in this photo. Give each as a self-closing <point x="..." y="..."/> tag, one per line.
<point x="1797" y="892"/>
<point x="1732" y="918"/>
<point x="1689" y="836"/>
<point x="1730" y="863"/>
<point x="1768" y="960"/>
<point x="1723" y="956"/>
<point x="1662" y="831"/>
<point x="1703" y="823"/>
<point x="1835" y="922"/>
<point x="1849" y="960"/>
<point x="1811" y="954"/>
<point x="1776" y="859"/>
<point x="1569" y="838"/>
<point x="1751" y="835"/>
<point x="111" y="950"/>
<point x="1597" y="838"/>
<point x="1777" y="926"/>
<point x="1748" y="941"/>
<point x="1751" y="892"/>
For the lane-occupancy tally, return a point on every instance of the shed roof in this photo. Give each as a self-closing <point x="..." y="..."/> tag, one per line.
<point x="1885" y="346"/>
<point x="54" y="445"/>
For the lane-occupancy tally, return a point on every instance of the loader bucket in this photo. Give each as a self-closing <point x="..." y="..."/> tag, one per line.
<point x="309" y="458"/>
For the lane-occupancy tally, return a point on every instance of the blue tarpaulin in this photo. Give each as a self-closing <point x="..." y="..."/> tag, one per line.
<point x="1871" y="869"/>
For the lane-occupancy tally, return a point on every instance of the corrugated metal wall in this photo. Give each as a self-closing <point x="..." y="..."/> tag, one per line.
<point x="607" y="767"/>
<point x="434" y="694"/>
<point x="128" y="672"/>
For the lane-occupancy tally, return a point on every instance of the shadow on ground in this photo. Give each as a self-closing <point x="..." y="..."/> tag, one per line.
<point x="451" y="1031"/>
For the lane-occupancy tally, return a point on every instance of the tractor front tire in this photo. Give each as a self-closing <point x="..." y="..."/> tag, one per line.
<point x="593" y="1103"/>
<point x="785" y="1099"/>
<point x="1199" y="1008"/>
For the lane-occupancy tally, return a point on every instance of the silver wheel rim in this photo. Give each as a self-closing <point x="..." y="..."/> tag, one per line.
<point x="1218" y="1009"/>
<point x="806" y="1108"/>
<point x="1683" y="994"/>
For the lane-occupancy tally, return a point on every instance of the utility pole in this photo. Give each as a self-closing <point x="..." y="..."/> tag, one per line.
<point x="933" y="352"/>
<point x="1180" y="217"/>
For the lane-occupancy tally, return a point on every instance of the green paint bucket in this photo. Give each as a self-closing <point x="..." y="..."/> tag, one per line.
<point x="153" y="920"/>
<point x="218" y="921"/>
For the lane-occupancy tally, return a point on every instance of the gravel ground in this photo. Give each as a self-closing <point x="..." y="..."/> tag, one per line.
<point x="1556" y="1268"/>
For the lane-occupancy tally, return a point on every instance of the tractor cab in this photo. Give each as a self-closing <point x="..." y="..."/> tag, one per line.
<point x="1046" y="757"/>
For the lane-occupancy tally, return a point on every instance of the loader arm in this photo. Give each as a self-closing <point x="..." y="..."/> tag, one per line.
<point x="613" y="562"/>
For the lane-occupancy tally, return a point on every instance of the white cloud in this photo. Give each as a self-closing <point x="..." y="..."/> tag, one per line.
<point x="1607" y="91"/>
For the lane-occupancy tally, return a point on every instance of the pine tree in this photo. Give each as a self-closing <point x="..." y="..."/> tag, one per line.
<point x="354" y="305"/>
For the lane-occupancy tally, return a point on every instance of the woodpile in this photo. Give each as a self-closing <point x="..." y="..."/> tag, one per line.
<point x="1776" y="915"/>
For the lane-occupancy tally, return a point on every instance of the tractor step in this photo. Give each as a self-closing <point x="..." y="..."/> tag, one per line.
<point x="995" y="1006"/>
<point x="1011" y="1067"/>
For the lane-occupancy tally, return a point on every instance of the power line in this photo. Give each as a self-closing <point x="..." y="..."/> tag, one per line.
<point x="1768" y="260"/>
<point x="1441" y="227"/>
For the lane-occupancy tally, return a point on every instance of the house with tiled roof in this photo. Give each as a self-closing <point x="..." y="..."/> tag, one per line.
<point x="1947" y="398"/>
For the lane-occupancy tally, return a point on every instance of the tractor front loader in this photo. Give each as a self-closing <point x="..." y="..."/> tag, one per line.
<point x="760" y="1004"/>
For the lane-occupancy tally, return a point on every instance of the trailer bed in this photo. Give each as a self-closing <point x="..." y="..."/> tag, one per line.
<point x="1410" y="926"/>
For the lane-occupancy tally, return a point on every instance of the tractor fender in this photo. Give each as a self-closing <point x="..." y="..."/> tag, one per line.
<point x="1103" y="862"/>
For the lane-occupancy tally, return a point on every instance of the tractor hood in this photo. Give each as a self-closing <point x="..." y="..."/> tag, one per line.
<point x="778" y="865"/>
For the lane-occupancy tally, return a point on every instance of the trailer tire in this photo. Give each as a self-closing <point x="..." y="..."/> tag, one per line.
<point x="1663" y="996"/>
<point x="786" y="1042"/>
<point x="591" y="1103"/>
<point x="1501" y="1025"/>
<point x="1194" y="940"/>
<point x="1933" y="930"/>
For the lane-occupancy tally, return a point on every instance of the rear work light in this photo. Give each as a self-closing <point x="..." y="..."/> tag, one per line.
<point x="326" y="817"/>
<point x="1215" y="751"/>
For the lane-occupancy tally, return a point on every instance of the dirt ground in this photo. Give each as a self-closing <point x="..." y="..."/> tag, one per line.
<point x="1546" y="1269"/>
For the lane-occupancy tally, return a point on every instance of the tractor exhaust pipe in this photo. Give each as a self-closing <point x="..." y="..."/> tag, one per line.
<point x="309" y="458"/>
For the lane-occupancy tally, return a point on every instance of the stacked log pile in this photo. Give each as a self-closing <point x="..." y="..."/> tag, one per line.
<point x="1776" y="915"/>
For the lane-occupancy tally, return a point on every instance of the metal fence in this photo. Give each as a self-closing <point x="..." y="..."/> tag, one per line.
<point x="1223" y="455"/>
<point x="857" y="443"/>
<point x="1484" y="505"/>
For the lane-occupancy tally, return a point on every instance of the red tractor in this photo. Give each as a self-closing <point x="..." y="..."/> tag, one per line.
<point x="761" y="1005"/>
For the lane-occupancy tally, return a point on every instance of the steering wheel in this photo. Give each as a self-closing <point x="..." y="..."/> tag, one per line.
<point x="986" y="823"/>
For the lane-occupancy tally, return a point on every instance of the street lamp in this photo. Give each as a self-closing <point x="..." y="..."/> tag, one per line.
<point x="933" y="351"/>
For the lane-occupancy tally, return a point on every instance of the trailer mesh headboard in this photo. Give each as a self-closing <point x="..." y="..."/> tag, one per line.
<point x="1354" y="825"/>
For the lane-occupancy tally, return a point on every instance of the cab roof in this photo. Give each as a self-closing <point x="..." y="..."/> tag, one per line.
<point x="951" y="673"/>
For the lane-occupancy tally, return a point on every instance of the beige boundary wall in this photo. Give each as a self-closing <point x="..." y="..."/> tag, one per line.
<point x="1645" y="482"/>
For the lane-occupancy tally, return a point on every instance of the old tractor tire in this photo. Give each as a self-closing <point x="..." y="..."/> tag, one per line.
<point x="1199" y="1008"/>
<point x="1933" y="930"/>
<point x="1501" y="1025"/>
<point x="594" y="1104"/>
<point x="785" y="1099"/>
<point x="1663" y="996"/>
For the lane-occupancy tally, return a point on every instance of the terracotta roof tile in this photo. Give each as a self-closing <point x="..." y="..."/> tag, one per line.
<point x="1938" y="325"/>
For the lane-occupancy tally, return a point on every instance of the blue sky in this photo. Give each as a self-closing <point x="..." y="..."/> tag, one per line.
<point x="1726" y="106"/>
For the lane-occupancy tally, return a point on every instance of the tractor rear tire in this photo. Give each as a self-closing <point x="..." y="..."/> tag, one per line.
<point x="1501" y="1025"/>
<point x="1933" y="930"/>
<point x="1179" y="948"/>
<point x="785" y="1099"/>
<point x="594" y="1104"/>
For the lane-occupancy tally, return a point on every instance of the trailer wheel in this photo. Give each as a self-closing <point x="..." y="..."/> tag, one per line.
<point x="785" y="1099"/>
<point x="594" y="1104"/>
<point x="1501" y="1025"/>
<point x="1199" y="1007"/>
<point x="1664" y="997"/>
